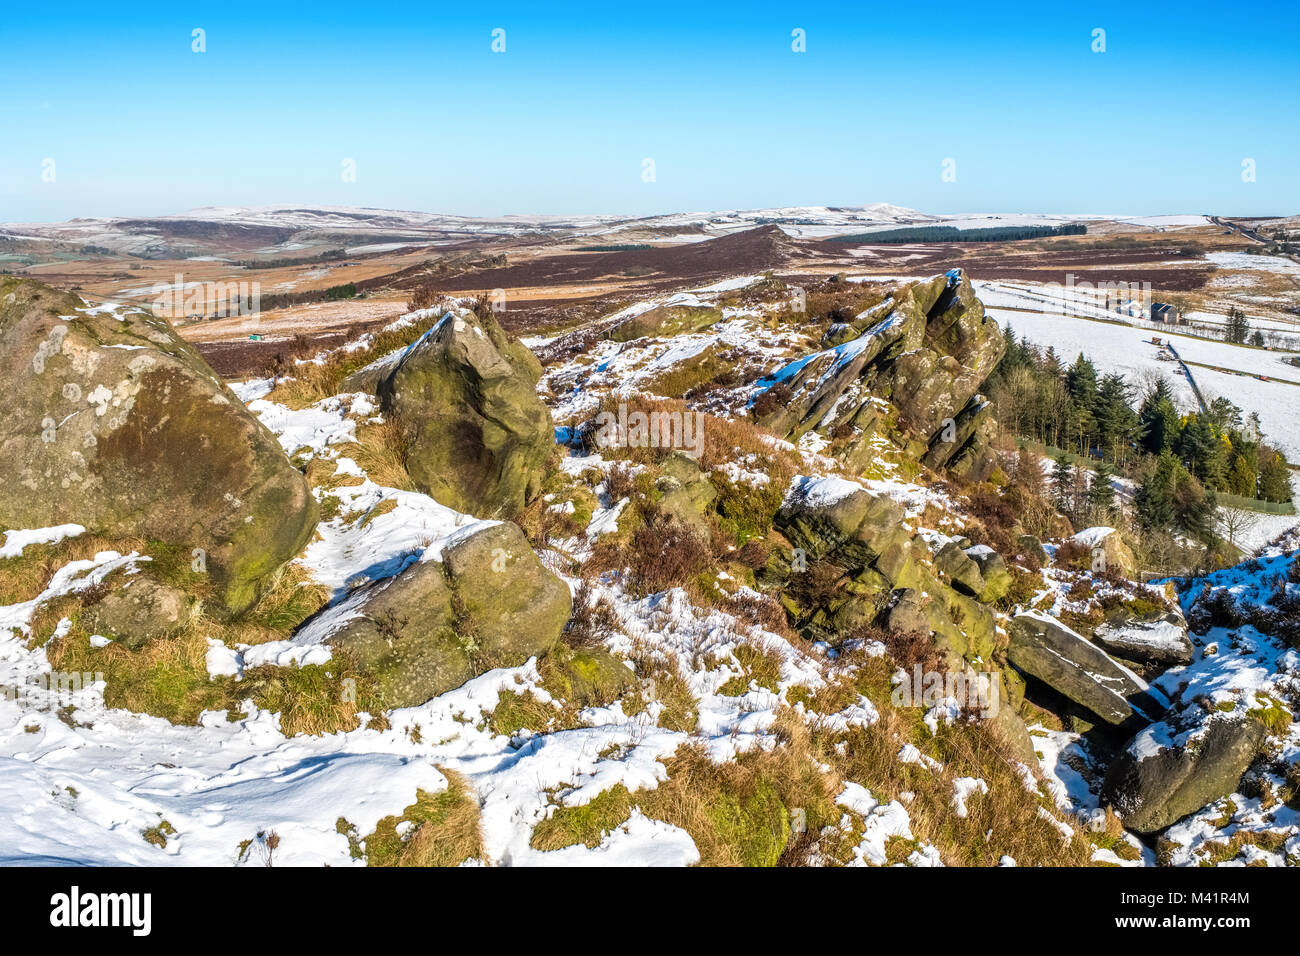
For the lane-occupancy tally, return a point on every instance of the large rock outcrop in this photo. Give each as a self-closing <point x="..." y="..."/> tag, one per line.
<point x="478" y="437"/>
<point x="1179" y="765"/>
<point x="487" y="603"/>
<point x="830" y="526"/>
<point x="1048" y="650"/>
<point x="114" y="422"/>
<point x="926" y="349"/>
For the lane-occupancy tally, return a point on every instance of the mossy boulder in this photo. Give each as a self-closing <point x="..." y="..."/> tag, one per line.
<point x="993" y="569"/>
<point x="115" y="422"/>
<point x="960" y="569"/>
<point x="1179" y="765"/>
<point x="140" y="611"/>
<point x="488" y="603"/>
<point x="829" y="517"/>
<point x="477" y="436"/>
<point x="368" y="377"/>
<point x="665" y="320"/>
<point x="688" y="494"/>
<point x="586" y="677"/>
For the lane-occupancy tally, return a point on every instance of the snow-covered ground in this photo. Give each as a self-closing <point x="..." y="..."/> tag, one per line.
<point x="1127" y="350"/>
<point x="85" y="786"/>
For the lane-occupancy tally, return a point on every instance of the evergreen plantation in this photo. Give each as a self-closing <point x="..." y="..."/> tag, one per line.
<point x="1178" y="461"/>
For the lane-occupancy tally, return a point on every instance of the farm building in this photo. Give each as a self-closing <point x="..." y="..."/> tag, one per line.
<point x="1163" y="312"/>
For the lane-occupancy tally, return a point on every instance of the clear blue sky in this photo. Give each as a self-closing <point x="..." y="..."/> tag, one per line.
<point x="137" y="124"/>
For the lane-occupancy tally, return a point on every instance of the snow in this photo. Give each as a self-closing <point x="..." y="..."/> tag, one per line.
<point x="1260" y="263"/>
<point x="820" y="492"/>
<point x="638" y="842"/>
<point x="16" y="541"/>
<point x="1157" y="635"/>
<point x="349" y="551"/>
<point x="252" y="389"/>
<point x="1091" y="537"/>
<point x="882" y="822"/>
<point x="962" y="790"/>
<point x="315" y="428"/>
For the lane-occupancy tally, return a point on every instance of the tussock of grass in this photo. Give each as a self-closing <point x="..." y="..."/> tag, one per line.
<point x="525" y="711"/>
<point x="1221" y="851"/>
<point x="760" y="667"/>
<point x="157" y="834"/>
<point x="661" y="681"/>
<point x="26" y="576"/>
<point x="707" y="366"/>
<point x="168" y="677"/>
<point x="731" y="809"/>
<point x="869" y="756"/>
<point x="738" y="813"/>
<point x="446" y="830"/>
<point x="381" y="453"/>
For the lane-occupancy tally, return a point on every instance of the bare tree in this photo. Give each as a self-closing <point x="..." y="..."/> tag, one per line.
<point x="1236" y="522"/>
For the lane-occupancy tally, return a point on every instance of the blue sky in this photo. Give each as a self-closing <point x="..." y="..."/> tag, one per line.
<point x="561" y="122"/>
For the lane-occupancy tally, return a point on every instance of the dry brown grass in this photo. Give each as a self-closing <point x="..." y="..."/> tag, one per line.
<point x="24" y="577"/>
<point x="1008" y="812"/>
<point x="447" y="830"/>
<point x="381" y="454"/>
<point x="168" y="677"/>
<point x="737" y="812"/>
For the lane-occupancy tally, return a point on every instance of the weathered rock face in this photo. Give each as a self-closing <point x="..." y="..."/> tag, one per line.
<point x="1177" y="766"/>
<point x="1043" y="647"/>
<point x="687" y="491"/>
<point x="478" y="437"/>
<point x="666" y="320"/>
<point x="1159" y="639"/>
<point x="115" y="422"/>
<point x="488" y="603"/>
<point x="993" y="569"/>
<point x="883" y="581"/>
<point x="142" y="610"/>
<point x="960" y="569"/>
<point x="927" y="350"/>
<point x="1109" y="552"/>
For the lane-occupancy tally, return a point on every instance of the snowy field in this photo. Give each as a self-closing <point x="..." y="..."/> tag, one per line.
<point x="1239" y="358"/>
<point x="1128" y="351"/>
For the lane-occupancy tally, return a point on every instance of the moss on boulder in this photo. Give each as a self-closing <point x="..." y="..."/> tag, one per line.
<point x="477" y="436"/>
<point x="488" y="603"/>
<point x="665" y="320"/>
<point x="585" y="677"/>
<point x="115" y="422"/>
<point x="1179" y="765"/>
